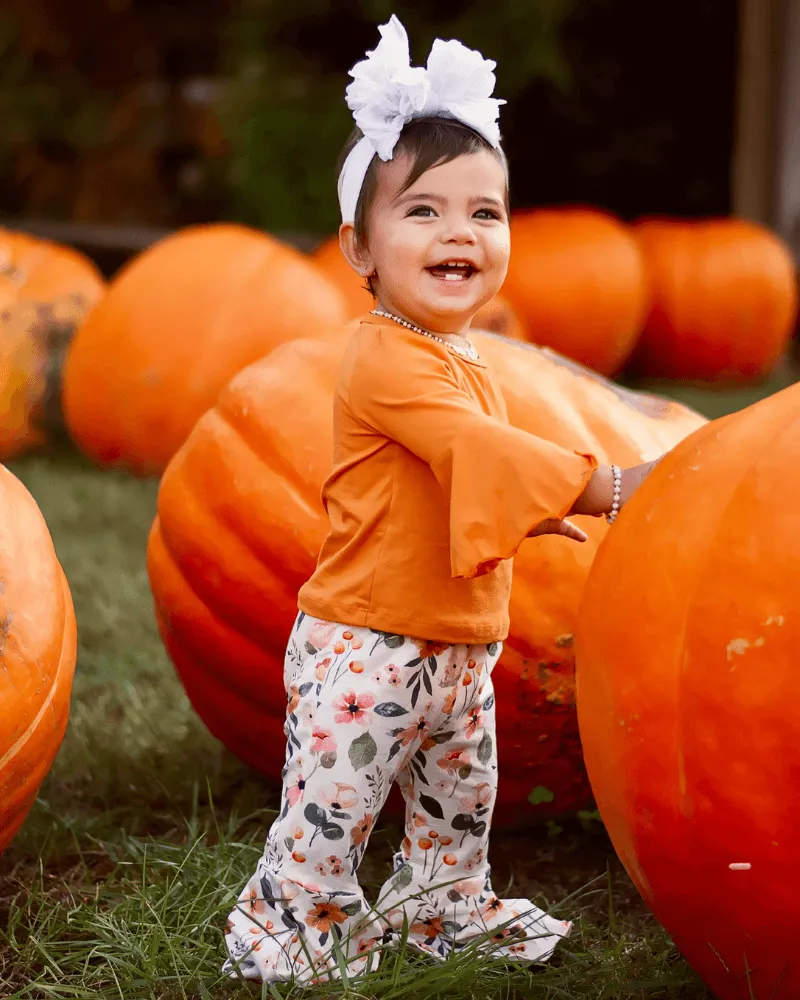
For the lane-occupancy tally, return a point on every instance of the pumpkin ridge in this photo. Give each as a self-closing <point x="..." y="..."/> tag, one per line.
<point x="227" y="439"/>
<point x="280" y="466"/>
<point x="176" y="638"/>
<point x="15" y="748"/>
<point x="242" y="624"/>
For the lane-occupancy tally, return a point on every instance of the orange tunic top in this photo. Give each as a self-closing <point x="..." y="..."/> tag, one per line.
<point x="431" y="494"/>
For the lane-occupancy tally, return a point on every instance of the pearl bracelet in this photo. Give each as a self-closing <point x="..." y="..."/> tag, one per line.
<point x="617" y="473"/>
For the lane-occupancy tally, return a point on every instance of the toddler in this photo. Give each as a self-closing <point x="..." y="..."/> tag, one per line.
<point x="388" y="668"/>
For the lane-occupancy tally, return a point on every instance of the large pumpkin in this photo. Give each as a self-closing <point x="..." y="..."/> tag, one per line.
<point x="688" y="697"/>
<point x="177" y="323"/>
<point x="37" y="651"/>
<point x="723" y="299"/>
<point x="576" y="279"/>
<point x="240" y="525"/>
<point x="497" y="316"/>
<point x="45" y="292"/>
<point x="42" y="271"/>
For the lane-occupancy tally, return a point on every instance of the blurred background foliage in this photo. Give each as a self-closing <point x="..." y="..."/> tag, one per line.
<point x="283" y="111"/>
<point x="169" y="112"/>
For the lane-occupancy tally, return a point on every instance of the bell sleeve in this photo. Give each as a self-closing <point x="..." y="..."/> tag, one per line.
<point x="500" y="481"/>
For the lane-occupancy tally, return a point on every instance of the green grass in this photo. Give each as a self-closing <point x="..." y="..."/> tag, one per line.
<point x="119" y="882"/>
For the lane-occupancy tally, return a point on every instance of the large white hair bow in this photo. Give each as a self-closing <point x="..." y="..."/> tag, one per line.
<point x="387" y="92"/>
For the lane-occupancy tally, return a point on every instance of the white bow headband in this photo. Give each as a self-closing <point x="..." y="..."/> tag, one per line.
<point x="387" y="92"/>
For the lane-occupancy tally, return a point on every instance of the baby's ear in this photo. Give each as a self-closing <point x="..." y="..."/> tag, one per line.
<point x="355" y="253"/>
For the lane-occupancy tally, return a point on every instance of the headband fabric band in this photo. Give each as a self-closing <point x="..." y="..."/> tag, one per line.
<point x="387" y="92"/>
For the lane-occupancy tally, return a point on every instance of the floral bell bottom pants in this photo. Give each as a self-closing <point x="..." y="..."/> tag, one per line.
<point x="365" y="709"/>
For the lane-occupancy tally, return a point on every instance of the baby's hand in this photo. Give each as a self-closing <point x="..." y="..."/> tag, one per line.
<point x="556" y="526"/>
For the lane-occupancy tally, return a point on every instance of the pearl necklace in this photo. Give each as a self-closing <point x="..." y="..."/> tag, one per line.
<point x="470" y="352"/>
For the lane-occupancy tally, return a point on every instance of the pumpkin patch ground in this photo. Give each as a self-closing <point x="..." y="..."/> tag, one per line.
<point x="118" y="883"/>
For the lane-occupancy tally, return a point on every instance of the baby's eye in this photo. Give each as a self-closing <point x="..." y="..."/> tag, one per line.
<point x="421" y="210"/>
<point x="488" y="213"/>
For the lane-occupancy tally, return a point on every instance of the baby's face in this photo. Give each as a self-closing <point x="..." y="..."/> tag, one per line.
<point x="453" y="213"/>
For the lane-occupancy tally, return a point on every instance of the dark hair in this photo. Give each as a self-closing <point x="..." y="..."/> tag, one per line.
<point x="428" y="142"/>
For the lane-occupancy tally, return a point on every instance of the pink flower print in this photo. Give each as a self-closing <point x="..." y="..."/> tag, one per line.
<point x="353" y="708"/>
<point x="336" y="865"/>
<point x="479" y="796"/>
<point x="469" y="886"/>
<point x="474" y="721"/>
<point x="294" y="793"/>
<point x="453" y="760"/>
<point x="420" y="728"/>
<point x="339" y="796"/>
<point x="357" y="643"/>
<point x="322" y="741"/>
<point x="367" y="944"/>
<point x="450" y="674"/>
<point x="320" y="634"/>
<point x="322" y="668"/>
<point x="289" y="891"/>
<point x="320" y="868"/>
<point x="255" y="904"/>
<point x="395" y="917"/>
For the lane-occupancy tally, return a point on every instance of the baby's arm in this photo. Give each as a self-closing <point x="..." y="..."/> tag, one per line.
<point x="597" y="497"/>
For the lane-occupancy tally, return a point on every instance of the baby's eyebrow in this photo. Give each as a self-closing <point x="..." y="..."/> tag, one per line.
<point x="483" y="198"/>
<point x="400" y="199"/>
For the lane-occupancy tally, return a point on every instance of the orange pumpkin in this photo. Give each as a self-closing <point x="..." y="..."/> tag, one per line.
<point x="497" y="316"/>
<point x="42" y="271"/>
<point x="576" y="279"/>
<point x="177" y="322"/>
<point x="723" y="299"/>
<point x="687" y="697"/>
<point x="38" y="653"/>
<point x="45" y="291"/>
<point x="240" y="525"/>
<point x="33" y="339"/>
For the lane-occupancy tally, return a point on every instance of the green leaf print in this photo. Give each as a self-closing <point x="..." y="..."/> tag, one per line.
<point x="485" y="749"/>
<point x="402" y="878"/>
<point x="332" y="831"/>
<point x="491" y="649"/>
<point x="390" y="639"/>
<point x="314" y="815"/>
<point x="431" y="806"/>
<point x="390" y="709"/>
<point x="362" y="751"/>
<point x="352" y="909"/>
<point x="462" y="821"/>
